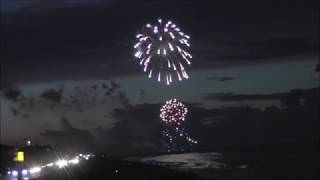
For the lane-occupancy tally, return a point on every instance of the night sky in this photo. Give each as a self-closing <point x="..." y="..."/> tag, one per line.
<point x="67" y="66"/>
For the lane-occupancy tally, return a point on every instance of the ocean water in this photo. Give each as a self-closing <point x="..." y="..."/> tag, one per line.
<point x="187" y="160"/>
<point x="205" y="165"/>
<point x="286" y="163"/>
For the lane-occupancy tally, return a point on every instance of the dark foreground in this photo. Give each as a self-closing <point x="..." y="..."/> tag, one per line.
<point x="99" y="168"/>
<point x="293" y="164"/>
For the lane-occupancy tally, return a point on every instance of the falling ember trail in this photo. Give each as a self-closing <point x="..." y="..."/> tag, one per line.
<point x="173" y="115"/>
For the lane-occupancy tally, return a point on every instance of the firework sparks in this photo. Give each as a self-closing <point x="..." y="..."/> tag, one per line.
<point x="162" y="49"/>
<point x="173" y="111"/>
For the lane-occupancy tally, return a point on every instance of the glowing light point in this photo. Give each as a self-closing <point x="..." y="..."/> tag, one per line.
<point x="61" y="163"/>
<point x="35" y="170"/>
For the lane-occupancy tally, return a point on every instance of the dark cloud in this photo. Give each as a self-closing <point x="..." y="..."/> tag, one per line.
<point x="69" y="138"/>
<point x="221" y="79"/>
<point x="94" y="87"/>
<point x="81" y="98"/>
<point x="53" y="95"/>
<point x="65" y="124"/>
<point x="253" y="97"/>
<point x="114" y="84"/>
<point x="137" y="131"/>
<point x="138" y="127"/>
<point x="274" y="48"/>
<point x="22" y="6"/>
<point x="13" y="93"/>
<point x="260" y="50"/>
<point x="123" y="99"/>
<point x="242" y="97"/>
<point x="14" y="111"/>
<point x="25" y="116"/>
<point x="274" y="125"/>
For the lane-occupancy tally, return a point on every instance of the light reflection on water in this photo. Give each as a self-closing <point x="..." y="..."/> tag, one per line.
<point x="186" y="160"/>
<point x="202" y="164"/>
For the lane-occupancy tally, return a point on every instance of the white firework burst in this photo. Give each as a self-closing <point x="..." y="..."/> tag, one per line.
<point x="162" y="51"/>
